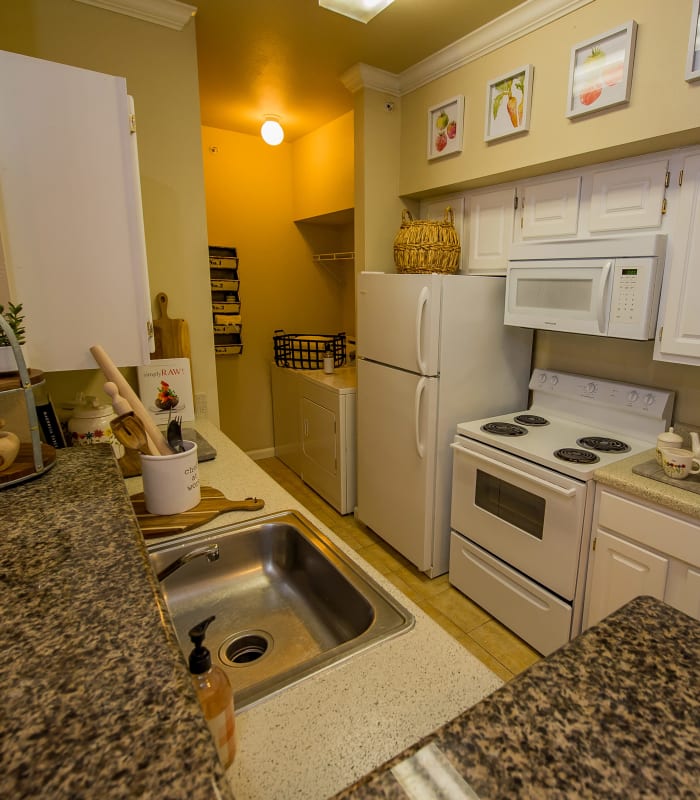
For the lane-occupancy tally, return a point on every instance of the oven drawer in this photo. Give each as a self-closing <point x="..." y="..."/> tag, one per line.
<point x="538" y="617"/>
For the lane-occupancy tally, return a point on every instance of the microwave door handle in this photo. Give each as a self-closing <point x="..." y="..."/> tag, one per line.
<point x="420" y="388"/>
<point x="602" y="305"/>
<point x="551" y="487"/>
<point x="420" y="310"/>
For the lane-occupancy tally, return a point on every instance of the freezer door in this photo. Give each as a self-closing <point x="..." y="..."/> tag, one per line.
<point x="396" y="419"/>
<point x="398" y="320"/>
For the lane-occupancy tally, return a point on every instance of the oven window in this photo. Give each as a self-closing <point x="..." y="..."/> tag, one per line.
<point x="511" y="504"/>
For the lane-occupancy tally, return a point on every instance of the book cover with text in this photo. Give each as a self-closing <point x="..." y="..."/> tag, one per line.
<point x="165" y="389"/>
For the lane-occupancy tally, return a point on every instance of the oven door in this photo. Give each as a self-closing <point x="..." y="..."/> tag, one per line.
<point x="530" y="517"/>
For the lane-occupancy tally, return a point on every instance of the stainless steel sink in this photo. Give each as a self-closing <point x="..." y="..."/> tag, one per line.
<point x="287" y="602"/>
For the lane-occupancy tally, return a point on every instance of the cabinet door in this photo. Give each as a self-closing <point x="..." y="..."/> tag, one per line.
<point x="679" y="331"/>
<point x="622" y="571"/>
<point x="490" y="217"/>
<point x="550" y="208"/>
<point x="626" y="198"/>
<point x="683" y="590"/>
<point x="71" y="225"/>
<point x="435" y="209"/>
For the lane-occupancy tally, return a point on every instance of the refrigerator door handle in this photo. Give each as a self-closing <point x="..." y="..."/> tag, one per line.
<point x="420" y="310"/>
<point x="420" y="388"/>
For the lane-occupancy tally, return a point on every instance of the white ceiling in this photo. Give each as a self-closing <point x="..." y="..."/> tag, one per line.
<point x="285" y="57"/>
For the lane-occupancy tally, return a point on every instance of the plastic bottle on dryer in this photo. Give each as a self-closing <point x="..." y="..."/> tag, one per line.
<point x="214" y="693"/>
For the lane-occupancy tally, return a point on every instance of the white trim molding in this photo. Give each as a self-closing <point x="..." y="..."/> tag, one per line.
<point x="514" y="24"/>
<point x="362" y="76"/>
<point x="169" y="13"/>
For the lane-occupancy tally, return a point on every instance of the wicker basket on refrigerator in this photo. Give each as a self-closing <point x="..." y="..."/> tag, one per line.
<point x="426" y="245"/>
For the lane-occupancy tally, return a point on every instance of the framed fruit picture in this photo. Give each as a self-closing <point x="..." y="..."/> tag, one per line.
<point x="508" y="100"/>
<point x="600" y="74"/>
<point x="446" y="127"/>
<point x="692" y="70"/>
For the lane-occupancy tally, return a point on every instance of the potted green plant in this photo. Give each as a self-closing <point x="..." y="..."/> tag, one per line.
<point x="15" y="319"/>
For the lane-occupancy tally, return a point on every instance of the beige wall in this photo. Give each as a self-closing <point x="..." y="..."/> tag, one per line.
<point x="160" y="68"/>
<point x="664" y="110"/>
<point x="323" y="169"/>
<point x="250" y="206"/>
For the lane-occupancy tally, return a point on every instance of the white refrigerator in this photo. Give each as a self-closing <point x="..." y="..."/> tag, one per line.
<point x="432" y="351"/>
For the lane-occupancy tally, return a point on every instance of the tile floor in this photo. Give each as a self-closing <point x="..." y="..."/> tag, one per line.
<point x="483" y="636"/>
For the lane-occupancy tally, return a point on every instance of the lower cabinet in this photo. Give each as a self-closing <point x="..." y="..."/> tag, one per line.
<point x="314" y="428"/>
<point x="637" y="549"/>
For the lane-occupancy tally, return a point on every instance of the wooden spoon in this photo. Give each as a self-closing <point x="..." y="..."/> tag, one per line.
<point x="130" y="432"/>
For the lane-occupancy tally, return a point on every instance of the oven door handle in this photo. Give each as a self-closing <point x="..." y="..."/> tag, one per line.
<point x="549" y="486"/>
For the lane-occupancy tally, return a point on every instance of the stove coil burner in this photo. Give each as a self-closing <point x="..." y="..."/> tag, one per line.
<point x="575" y="456"/>
<point x="531" y="419"/>
<point x="603" y="444"/>
<point x="504" y="429"/>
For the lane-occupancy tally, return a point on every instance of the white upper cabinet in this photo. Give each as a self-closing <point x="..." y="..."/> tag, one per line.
<point x="435" y="209"/>
<point x="71" y="224"/>
<point x="549" y="209"/>
<point x="626" y="197"/>
<point x="678" y="338"/>
<point x="489" y="224"/>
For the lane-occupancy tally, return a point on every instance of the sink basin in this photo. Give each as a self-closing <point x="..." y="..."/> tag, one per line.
<point x="287" y="602"/>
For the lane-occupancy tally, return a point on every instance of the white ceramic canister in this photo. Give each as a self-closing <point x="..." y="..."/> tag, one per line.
<point x="91" y="423"/>
<point x="667" y="441"/>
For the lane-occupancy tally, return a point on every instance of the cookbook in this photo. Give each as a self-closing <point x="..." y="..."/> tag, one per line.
<point x="165" y="389"/>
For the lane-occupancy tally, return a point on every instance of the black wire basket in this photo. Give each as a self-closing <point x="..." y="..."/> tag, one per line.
<point x="306" y="350"/>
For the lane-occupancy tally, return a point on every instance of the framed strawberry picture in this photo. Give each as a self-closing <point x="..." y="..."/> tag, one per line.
<point x="600" y="74"/>
<point x="446" y="127"/>
<point x="508" y="100"/>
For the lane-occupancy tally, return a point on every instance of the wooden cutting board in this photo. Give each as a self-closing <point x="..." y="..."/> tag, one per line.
<point x="172" y="336"/>
<point x="211" y="505"/>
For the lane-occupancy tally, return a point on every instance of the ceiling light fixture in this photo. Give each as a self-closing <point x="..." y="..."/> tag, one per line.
<point x="360" y="10"/>
<point x="271" y="131"/>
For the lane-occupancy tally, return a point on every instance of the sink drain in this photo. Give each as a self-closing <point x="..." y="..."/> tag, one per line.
<point x="245" y="648"/>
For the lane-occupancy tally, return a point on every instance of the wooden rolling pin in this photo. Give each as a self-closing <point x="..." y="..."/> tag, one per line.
<point x="111" y="372"/>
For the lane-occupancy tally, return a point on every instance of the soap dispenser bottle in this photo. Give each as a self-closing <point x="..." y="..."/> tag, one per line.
<point x="214" y="693"/>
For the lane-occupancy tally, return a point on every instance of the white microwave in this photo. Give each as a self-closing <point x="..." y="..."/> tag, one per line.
<point x="603" y="287"/>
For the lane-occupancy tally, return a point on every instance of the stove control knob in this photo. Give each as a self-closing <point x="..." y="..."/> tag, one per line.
<point x="542" y="378"/>
<point x="649" y="399"/>
<point x="555" y="380"/>
<point x="591" y="387"/>
<point x="633" y="396"/>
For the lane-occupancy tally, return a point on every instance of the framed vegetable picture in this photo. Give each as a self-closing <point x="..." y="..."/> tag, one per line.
<point x="446" y="127"/>
<point x="600" y="73"/>
<point x="692" y="70"/>
<point x="508" y="101"/>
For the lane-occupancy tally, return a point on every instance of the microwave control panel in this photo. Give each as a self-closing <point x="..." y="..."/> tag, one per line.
<point x="634" y="300"/>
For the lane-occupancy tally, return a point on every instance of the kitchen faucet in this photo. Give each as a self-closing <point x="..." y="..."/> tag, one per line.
<point x="211" y="551"/>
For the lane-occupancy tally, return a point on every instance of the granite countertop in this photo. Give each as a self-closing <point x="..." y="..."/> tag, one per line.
<point x="619" y="475"/>
<point x="96" y="697"/>
<point x="614" y="714"/>
<point x="90" y="705"/>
